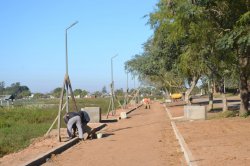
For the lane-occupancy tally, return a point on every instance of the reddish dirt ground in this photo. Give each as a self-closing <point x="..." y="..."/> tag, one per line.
<point x="218" y="142"/>
<point x="176" y="111"/>
<point x="145" y="138"/>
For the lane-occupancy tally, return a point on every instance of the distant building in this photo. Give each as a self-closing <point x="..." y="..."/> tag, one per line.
<point x="31" y="96"/>
<point x="51" y="97"/>
<point x="87" y="96"/>
<point x="90" y="96"/>
<point x="105" y="95"/>
<point x="7" y="98"/>
<point x="78" y="96"/>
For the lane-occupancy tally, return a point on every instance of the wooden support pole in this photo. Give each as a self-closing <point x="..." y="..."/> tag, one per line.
<point x="108" y="109"/>
<point x="54" y="122"/>
<point x="51" y="126"/>
<point x="66" y="84"/>
<point x="60" y="109"/>
<point x="72" y="95"/>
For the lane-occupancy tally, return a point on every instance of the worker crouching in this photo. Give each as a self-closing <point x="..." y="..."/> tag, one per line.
<point x="76" y="120"/>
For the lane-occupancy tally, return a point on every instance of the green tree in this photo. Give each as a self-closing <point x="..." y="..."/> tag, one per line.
<point x="236" y="38"/>
<point x="17" y="90"/>
<point x="23" y="94"/>
<point x="156" y="67"/>
<point x="39" y="95"/>
<point x="172" y="55"/>
<point x="231" y="21"/>
<point x="56" y="92"/>
<point x="78" y="92"/>
<point x="2" y="87"/>
<point x="104" y="90"/>
<point x="84" y="92"/>
<point x="97" y="94"/>
<point x="119" y="92"/>
<point x="196" y="39"/>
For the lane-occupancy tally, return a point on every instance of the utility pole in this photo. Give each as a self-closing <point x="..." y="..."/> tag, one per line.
<point x="126" y="95"/>
<point x="112" y="99"/>
<point x="67" y="86"/>
<point x="67" y="71"/>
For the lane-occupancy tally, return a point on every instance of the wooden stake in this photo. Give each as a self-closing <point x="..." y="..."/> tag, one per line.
<point x="60" y="109"/>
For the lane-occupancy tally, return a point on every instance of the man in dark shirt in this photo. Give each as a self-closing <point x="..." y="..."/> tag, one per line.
<point x="76" y="120"/>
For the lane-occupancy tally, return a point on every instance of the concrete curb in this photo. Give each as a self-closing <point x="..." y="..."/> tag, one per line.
<point x="187" y="153"/>
<point x="44" y="157"/>
<point x="118" y="117"/>
<point x="169" y="114"/>
<point x="130" y="111"/>
<point x="171" y="117"/>
<point x="133" y="109"/>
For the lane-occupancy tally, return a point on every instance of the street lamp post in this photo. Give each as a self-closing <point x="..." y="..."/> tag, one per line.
<point x="67" y="86"/>
<point x="112" y="79"/>
<point x="126" y="94"/>
<point x="67" y="74"/>
<point x="112" y="87"/>
<point x="112" y="99"/>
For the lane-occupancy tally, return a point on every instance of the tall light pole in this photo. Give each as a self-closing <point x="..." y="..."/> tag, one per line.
<point x="112" y="79"/>
<point x="67" y="74"/>
<point x="127" y="84"/>
<point x="112" y="87"/>
<point x="67" y="86"/>
<point x="112" y="99"/>
<point x="126" y="94"/>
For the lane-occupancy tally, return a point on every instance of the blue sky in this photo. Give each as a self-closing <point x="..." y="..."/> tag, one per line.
<point x="32" y="42"/>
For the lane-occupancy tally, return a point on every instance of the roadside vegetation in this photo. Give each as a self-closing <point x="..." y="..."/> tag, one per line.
<point x="31" y="118"/>
<point x="26" y="120"/>
<point x="198" y="43"/>
<point x="19" y="125"/>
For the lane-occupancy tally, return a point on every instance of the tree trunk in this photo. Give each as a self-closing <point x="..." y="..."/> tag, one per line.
<point x="244" y="73"/>
<point x="210" y="97"/>
<point x="188" y="92"/>
<point x="211" y="101"/>
<point x="167" y="96"/>
<point x="224" y="102"/>
<point x="216" y="87"/>
<point x="244" y="100"/>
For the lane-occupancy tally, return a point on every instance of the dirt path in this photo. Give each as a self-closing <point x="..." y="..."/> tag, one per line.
<point x="218" y="142"/>
<point x="145" y="138"/>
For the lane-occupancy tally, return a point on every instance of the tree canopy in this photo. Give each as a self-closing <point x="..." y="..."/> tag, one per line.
<point x="15" y="89"/>
<point x="194" y="39"/>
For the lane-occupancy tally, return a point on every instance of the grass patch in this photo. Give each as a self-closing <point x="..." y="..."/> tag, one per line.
<point x="218" y="95"/>
<point x="103" y="103"/>
<point x="19" y="125"/>
<point x="246" y="115"/>
<point x="24" y="121"/>
<point x="227" y="114"/>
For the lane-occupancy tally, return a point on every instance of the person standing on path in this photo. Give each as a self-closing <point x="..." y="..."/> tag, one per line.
<point x="146" y="102"/>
